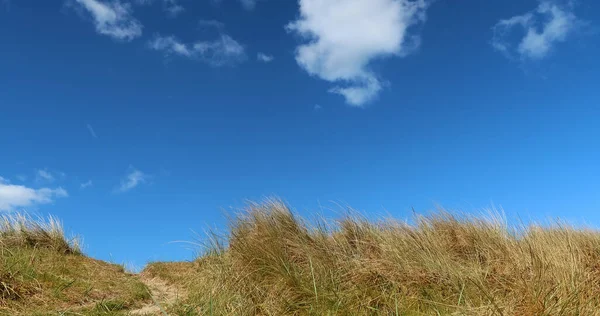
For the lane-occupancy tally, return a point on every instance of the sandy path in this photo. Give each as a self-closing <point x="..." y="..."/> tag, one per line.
<point x="163" y="295"/>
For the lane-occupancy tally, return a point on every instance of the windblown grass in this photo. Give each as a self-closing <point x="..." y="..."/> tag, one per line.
<point x="275" y="263"/>
<point x="20" y="230"/>
<point x="44" y="273"/>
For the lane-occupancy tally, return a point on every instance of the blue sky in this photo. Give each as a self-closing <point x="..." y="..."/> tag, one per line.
<point x="138" y="121"/>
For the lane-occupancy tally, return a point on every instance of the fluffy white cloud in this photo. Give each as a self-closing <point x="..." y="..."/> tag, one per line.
<point x="343" y="37"/>
<point x="113" y="19"/>
<point x="15" y="197"/>
<point x="132" y="180"/>
<point x="264" y="57"/>
<point x="220" y="52"/>
<point x="547" y="25"/>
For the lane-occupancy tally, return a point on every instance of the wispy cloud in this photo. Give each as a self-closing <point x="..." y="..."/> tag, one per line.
<point x="44" y="175"/>
<point x="16" y="197"/>
<point x="342" y="37"/>
<point x="264" y="57"/>
<point x="317" y="107"/>
<point x="113" y="19"/>
<point x="21" y="177"/>
<point x="48" y="176"/>
<point x="220" y="52"/>
<point x="91" y="130"/>
<point x="211" y="24"/>
<point x="543" y="28"/>
<point x="173" y="8"/>
<point x="248" y="4"/>
<point x="132" y="179"/>
<point x="86" y="184"/>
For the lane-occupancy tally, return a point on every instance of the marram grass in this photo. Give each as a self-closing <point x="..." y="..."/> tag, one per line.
<point x="272" y="262"/>
<point x="44" y="273"/>
<point x="275" y="263"/>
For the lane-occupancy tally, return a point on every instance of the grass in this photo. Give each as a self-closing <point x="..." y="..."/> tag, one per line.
<point x="44" y="273"/>
<point x="21" y="231"/>
<point x="274" y="263"/>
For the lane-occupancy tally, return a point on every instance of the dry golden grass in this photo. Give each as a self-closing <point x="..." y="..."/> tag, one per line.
<point x="21" y="231"/>
<point x="44" y="273"/>
<point x="274" y="263"/>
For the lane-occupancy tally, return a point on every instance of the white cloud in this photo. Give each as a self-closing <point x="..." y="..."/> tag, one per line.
<point x="363" y="91"/>
<point x="91" y="130"/>
<point x="4" y="180"/>
<point x="47" y="176"/>
<point x="86" y="184"/>
<point x="173" y="8"/>
<point x="132" y="180"/>
<point x="264" y="57"/>
<point x="220" y="52"/>
<point x="317" y="107"/>
<point x="44" y="175"/>
<point x="21" y="177"/>
<point x="15" y="197"/>
<point x="547" y="25"/>
<point x="113" y="19"/>
<point x="343" y="37"/>
<point x="211" y="23"/>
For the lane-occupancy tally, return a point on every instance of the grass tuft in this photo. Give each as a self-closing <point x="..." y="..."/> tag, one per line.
<point x="44" y="273"/>
<point x="20" y="230"/>
<point x="274" y="263"/>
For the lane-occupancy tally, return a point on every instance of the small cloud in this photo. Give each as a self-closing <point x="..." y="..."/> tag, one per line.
<point x="211" y="24"/>
<point x="132" y="179"/>
<point x="86" y="184"/>
<point x="44" y="175"/>
<point x="341" y="38"/>
<point x="542" y="28"/>
<point x="91" y="130"/>
<point x="317" y="107"/>
<point x="21" y="177"/>
<point x="248" y="4"/>
<point x="220" y="52"/>
<point x="173" y="9"/>
<point x="4" y="180"/>
<point x="15" y="197"/>
<point x="264" y="58"/>
<point x="113" y="19"/>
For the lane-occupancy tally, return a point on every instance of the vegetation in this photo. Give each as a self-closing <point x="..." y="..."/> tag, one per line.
<point x="44" y="273"/>
<point x="274" y="263"/>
